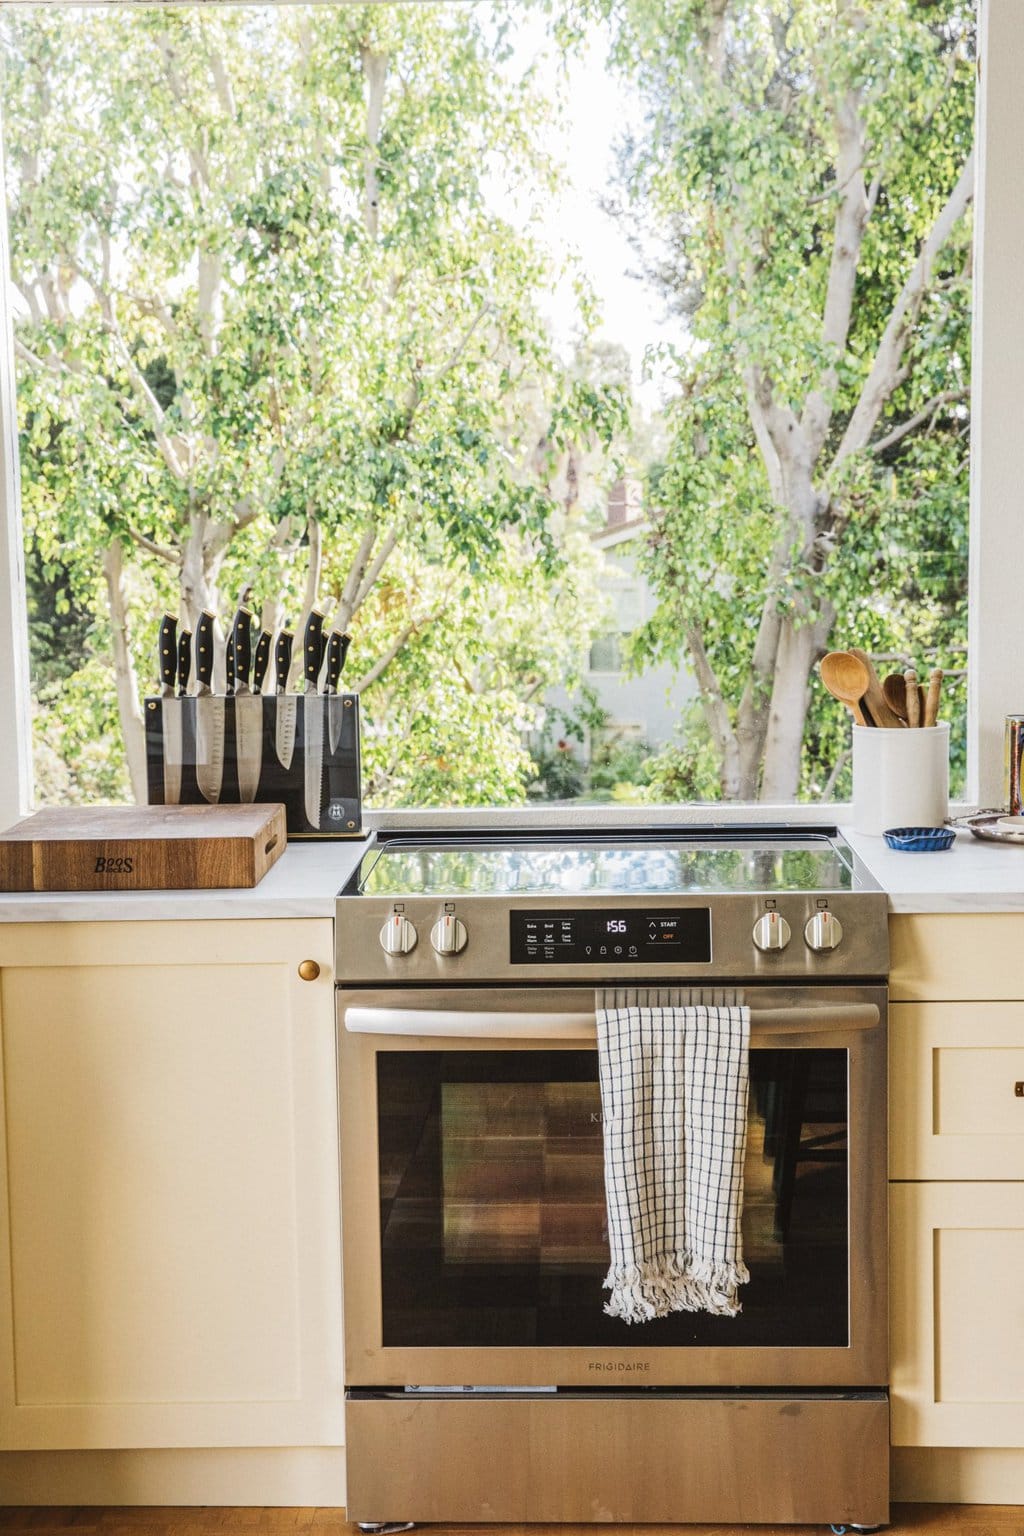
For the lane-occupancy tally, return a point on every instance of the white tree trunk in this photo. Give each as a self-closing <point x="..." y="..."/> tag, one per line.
<point x="128" y="705"/>
<point x="791" y="697"/>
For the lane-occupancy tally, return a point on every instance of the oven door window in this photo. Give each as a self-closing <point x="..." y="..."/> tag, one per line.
<point x="493" y="1227"/>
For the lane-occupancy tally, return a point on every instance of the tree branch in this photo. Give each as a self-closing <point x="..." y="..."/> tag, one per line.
<point x="375" y="68"/>
<point x="381" y="665"/>
<point x="161" y="551"/>
<point x="460" y="350"/>
<point x="374" y="569"/>
<point x="140" y="388"/>
<point x="926" y="413"/>
<point x="712" y="701"/>
<point x="222" y="83"/>
<point x="347" y="603"/>
<point x="884" y="374"/>
<point x="850" y="222"/>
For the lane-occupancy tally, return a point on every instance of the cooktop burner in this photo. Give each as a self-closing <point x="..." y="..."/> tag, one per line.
<point x="661" y="865"/>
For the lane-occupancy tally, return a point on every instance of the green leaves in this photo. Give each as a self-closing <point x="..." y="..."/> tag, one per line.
<point x="759" y="134"/>
<point x="263" y="283"/>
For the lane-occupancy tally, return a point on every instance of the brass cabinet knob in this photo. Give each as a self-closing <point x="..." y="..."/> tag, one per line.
<point x="309" y="970"/>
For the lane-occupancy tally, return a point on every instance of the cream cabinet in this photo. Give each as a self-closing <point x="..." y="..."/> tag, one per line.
<point x="957" y="1193"/>
<point x="170" y="1268"/>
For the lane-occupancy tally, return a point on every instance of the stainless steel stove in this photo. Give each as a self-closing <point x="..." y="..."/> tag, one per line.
<point x="472" y="1181"/>
<point x="752" y="905"/>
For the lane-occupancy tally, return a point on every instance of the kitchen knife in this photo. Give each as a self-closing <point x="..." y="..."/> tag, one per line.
<point x="170" y="709"/>
<point x="312" y="717"/>
<point x="343" y="807"/>
<point x="184" y="661"/>
<point x="229" y="663"/>
<point x="248" y="709"/>
<point x="337" y="650"/>
<point x="261" y="661"/>
<point x="284" y="731"/>
<point x="209" y="714"/>
<point x="188" y="730"/>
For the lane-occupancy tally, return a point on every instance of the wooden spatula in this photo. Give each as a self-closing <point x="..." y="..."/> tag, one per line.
<point x="915" y="697"/>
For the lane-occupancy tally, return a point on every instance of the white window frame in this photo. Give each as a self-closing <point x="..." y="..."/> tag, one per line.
<point x="995" y="595"/>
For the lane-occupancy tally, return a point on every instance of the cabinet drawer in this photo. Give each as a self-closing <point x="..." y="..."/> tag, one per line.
<point x="957" y="1370"/>
<point x="954" y="954"/>
<point x="956" y="1090"/>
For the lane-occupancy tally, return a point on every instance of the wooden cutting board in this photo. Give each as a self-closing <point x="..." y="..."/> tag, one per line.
<point x="141" y="848"/>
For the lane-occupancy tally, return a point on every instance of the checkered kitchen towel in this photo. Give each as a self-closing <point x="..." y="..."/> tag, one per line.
<point x="674" y="1083"/>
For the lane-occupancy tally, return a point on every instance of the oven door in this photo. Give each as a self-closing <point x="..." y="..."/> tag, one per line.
<point x="473" y="1209"/>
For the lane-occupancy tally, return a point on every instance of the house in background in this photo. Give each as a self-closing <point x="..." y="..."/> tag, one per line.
<point x="646" y="707"/>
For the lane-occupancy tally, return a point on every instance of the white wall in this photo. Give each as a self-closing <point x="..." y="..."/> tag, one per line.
<point x="996" y="620"/>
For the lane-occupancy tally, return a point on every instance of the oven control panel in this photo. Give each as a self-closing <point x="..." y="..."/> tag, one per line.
<point x="611" y="936"/>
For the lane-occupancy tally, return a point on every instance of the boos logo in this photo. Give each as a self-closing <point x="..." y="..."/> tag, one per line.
<point x="619" y="1365"/>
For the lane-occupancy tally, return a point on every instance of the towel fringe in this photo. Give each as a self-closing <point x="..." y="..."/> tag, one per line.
<point x="673" y="1282"/>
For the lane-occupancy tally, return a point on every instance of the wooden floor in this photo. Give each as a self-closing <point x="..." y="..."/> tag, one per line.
<point x="919" y="1519"/>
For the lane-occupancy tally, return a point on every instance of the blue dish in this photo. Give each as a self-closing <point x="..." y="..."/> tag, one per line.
<point x="920" y="839"/>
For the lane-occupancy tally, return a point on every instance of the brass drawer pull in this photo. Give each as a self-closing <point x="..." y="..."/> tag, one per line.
<point x="309" y="970"/>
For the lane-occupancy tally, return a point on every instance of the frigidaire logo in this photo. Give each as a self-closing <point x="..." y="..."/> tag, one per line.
<point x="619" y="1365"/>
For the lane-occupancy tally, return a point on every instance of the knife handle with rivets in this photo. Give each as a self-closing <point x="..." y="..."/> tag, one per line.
<point x="204" y="651"/>
<point x="240" y="652"/>
<point x="167" y="654"/>
<point x="337" y="645"/>
<point x="283" y="660"/>
<point x="261" y="660"/>
<point x="312" y="650"/>
<point x="184" y="661"/>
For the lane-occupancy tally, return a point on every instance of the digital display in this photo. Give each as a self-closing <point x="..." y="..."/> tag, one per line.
<point x="611" y="937"/>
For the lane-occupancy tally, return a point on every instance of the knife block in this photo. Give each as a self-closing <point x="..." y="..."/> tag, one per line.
<point x="339" y="802"/>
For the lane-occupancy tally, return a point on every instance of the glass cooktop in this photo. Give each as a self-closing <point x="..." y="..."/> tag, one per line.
<point x="567" y="866"/>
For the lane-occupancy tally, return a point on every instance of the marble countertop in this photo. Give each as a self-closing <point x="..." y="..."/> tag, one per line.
<point x="973" y="876"/>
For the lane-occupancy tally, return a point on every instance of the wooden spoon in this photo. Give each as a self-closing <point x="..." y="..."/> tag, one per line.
<point x="896" y="696"/>
<point x="873" y="695"/>
<point x="902" y="698"/>
<point x="846" y="679"/>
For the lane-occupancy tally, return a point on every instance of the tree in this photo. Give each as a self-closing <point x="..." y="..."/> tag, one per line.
<point x="275" y="340"/>
<point x="807" y="173"/>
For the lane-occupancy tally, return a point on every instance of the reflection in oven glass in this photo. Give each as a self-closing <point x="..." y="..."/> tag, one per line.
<point x="517" y="1184"/>
<point x="493" y="1214"/>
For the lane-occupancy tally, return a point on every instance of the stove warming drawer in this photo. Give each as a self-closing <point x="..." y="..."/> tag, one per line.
<point x="620" y="1457"/>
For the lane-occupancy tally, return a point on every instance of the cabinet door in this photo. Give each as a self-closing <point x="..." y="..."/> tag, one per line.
<point x="957" y="1314"/>
<point x="956" y="1090"/>
<point x="169" y="1269"/>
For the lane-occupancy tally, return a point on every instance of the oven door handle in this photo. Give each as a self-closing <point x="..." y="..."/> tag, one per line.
<point x="521" y="1024"/>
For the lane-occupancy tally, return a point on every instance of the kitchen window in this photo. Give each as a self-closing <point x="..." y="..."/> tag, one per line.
<point x="277" y="220"/>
